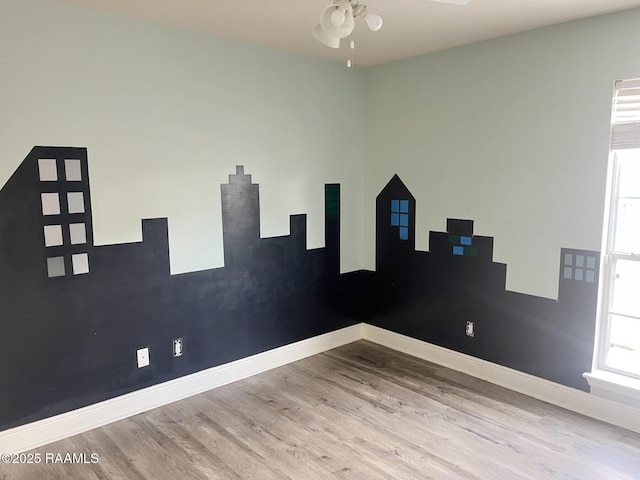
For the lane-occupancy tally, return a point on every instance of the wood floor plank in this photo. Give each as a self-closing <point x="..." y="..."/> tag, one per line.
<point x="313" y="440"/>
<point x="359" y="412"/>
<point x="430" y="426"/>
<point x="245" y="462"/>
<point x="477" y="408"/>
<point x="489" y="402"/>
<point x="292" y="441"/>
<point x="342" y="428"/>
<point x="118" y="466"/>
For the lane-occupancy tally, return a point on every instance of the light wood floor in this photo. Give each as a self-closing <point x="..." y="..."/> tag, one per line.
<point x="357" y="412"/>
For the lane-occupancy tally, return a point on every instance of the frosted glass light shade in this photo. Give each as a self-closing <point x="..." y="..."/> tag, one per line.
<point x="322" y="36"/>
<point x="331" y="14"/>
<point x="338" y="17"/>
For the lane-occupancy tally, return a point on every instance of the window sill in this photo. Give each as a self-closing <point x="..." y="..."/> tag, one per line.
<point x="614" y="386"/>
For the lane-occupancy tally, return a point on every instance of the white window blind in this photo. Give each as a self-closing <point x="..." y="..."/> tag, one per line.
<point x="625" y="128"/>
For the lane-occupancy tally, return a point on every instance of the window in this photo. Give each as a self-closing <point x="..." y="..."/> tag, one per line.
<point x="52" y="235"/>
<point x="462" y="245"/>
<point x="80" y="262"/>
<point x="578" y="267"/>
<point x="55" y="267"/>
<point x="50" y="204"/>
<point x="75" y="202"/>
<point x="48" y="169"/>
<point x="400" y="217"/>
<point x="332" y="200"/>
<point x="72" y="170"/>
<point x="78" y="233"/>
<point x="619" y="348"/>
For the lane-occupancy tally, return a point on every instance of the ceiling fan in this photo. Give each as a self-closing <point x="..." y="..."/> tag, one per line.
<point x="337" y="21"/>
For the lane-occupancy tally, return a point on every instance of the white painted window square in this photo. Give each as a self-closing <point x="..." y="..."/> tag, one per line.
<point x="579" y="260"/>
<point x="48" y="169"/>
<point x="591" y="262"/>
<point x="591" y="276"/>
<point x="568" y="273"/>
<point x="52" y="235"/>
<point x="72" y="170"/>
<point x="80" y="262"/>
<point x="78" y="233"/>
<point x="568" y="259"/>
<point x="578" y="274"/>
<point x="55" y="267"/>
<point x="75" y="202"/>
<point x="50" y="204"/>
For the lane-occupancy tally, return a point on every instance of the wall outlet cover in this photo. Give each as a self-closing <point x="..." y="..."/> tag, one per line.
<point x="177" y="347"/>
<point x="143" y="357"/>
<point x="470" y="330"/>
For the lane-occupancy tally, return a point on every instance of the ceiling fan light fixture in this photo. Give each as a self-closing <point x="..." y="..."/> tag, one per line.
<point x="323" y="37"/>
<point x="337" y="19"/>
<point x="373" y="21"/>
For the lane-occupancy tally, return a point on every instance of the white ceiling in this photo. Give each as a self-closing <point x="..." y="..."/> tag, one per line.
<point x="411" y="27"/>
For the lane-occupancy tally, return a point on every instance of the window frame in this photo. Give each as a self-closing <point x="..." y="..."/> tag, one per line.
<point x="608" y="275"/>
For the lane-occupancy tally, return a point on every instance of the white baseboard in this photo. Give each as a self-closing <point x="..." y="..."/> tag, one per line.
<point x="43" y="432"/>
<point x="615" y="413"/>
<point x="49" y="430"/>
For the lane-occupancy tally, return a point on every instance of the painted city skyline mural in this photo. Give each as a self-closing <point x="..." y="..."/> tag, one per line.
<point x="74" y="313"/>
<point x="433" y="295"/>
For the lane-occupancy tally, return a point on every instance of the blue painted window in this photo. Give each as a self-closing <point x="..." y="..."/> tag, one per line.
<point x="458" y="250"/>
<point x="465" y="240"/>
<point x="400" y="217"/>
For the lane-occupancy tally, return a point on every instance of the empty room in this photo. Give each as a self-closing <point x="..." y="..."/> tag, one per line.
<point x="320" y="239"/>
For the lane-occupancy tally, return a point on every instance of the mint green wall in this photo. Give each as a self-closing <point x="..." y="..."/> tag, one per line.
<point x="512" y="133"/>
<point x="166" y="114"/>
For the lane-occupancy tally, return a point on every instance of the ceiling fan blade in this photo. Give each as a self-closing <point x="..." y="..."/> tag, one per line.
<point x="453" y="2"/>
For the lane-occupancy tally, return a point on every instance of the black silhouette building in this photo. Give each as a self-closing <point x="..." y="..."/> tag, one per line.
<point x="395" y="232"/>
<point x="73" y="314"/>
<point x="76" y="313"/>
<point x="460" y="241"/>
<point x="242" y="230"/>
<point x="395" y="228"/>
<point x="51" y="194"/>
<point x="433" y="295"/>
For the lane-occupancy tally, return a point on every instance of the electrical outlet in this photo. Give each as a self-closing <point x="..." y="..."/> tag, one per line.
<point x="143" y="357"/>
<point x="177" y="347"/>
<point x="470" y="330"/>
